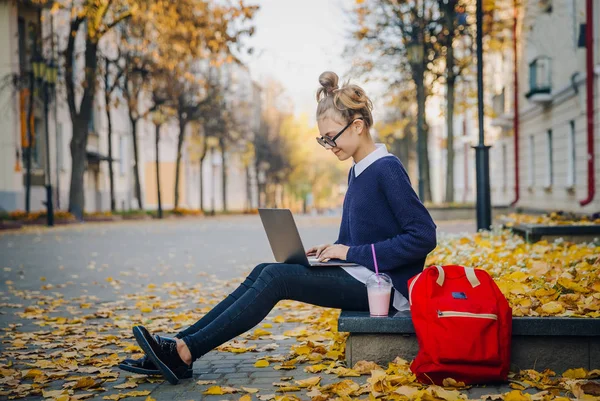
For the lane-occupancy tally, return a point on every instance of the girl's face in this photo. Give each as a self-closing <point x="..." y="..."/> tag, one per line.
<point x="347" y="143"/>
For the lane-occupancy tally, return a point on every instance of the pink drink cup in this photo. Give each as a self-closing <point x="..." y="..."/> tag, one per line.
<point x="379" y="300"/>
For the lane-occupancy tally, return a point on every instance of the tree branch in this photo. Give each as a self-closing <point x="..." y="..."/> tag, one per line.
<point x="125" y="15"/>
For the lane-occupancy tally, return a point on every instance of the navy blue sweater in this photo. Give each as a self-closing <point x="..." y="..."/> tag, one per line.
<point x="381" y="207"/>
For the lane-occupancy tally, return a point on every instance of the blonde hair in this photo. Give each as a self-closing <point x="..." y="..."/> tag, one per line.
<point x="346" y="102"/>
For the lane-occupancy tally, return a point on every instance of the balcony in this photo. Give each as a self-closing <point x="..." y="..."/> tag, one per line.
<point x="540" y="81"/>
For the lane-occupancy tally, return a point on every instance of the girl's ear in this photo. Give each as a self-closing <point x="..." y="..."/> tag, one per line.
<point x="359" y="125"/>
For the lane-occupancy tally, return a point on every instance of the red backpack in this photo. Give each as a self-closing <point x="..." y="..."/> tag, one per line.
<point x="463" y="325"/>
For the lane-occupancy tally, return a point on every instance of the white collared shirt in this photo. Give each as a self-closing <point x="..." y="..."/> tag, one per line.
<point x="361" y="273"/>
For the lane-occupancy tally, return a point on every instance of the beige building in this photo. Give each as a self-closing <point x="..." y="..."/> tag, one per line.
<point x="553" y="135"/>
<point x="18" y="22"/>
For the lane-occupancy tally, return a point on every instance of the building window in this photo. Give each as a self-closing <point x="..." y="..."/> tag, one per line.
<point x="122" y="156"/>
<point x="571" y="155"/>
<point x="545" y="5"/>
<point x="549" y="160"/>
<point x="531" y="161"/>
<point x="60" y="163"/>
<point x="504" y="168"/>
<point x="499" y="103"/>
<point x="540" y="76"/>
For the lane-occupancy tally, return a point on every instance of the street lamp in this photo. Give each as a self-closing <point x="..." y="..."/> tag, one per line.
<point x="482" y="152"/>
<point x="158" y="118"/>
<point x="45" y="73"/>
<point x="212" y="143"/>
<point x="415" y="52"/>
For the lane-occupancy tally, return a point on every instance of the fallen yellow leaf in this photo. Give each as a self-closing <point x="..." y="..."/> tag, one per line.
<point x="310" y="382"/>
<point x="516" y="395"/>
<point x="575" y="373"/>
<point x="218" y="390"/>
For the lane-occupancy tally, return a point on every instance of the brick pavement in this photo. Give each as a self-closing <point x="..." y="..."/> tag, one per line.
<point x="134" y="255"/>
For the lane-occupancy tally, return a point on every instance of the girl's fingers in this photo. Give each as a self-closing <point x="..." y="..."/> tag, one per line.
<point x="323" y="256"/>
<point x="321" y="249"/>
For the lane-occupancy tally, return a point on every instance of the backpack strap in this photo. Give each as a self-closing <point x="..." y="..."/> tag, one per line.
<point x="469" y="272"/>
<point x="441" y="276"/>
<point x="472" y="277"/>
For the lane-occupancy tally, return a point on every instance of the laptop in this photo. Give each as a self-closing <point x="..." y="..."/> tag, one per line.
<point x="285" y="240"/>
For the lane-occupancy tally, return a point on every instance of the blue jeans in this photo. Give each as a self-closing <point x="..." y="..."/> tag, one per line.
<point x="266" y="285"/>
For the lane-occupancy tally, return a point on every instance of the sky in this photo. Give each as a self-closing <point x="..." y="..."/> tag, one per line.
<point x="295" y="41"/>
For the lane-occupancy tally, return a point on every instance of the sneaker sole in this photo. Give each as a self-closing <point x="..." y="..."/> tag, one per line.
<point x="164" y="369"/>
<point x="128" y="368"/>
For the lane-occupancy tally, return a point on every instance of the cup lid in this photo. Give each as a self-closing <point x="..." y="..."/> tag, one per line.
<point x="381" y="280"/>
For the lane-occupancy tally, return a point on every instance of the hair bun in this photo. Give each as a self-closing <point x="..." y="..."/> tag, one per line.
<point x="329" y="84"/>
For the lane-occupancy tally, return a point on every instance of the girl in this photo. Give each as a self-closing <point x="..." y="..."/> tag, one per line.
<point x="380" y="208"/>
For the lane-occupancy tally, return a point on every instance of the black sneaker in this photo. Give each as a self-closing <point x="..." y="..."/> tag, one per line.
<point x="163" y="354"/>
<point x="145" y="366"/>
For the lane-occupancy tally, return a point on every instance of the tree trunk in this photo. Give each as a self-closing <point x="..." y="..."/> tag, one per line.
<point x="248" y="189"/>
<point x="80" y="122"/>
<point x="136" y="167"/>
<point x="111" y="174"/>
<point x="156" y="142"/>
<point x="204" y="153"/>
<point x="421" y="136"/>
<point x="258" y="184"/>
<point x="427" y="167"/>
<point x="29" y="148"/>
<point x="223" y="173"/>
<point x="78" y="157"/>
<point x="403" y="151"/>
<point x="180" y="139"/>
<point x="450" y="17"/>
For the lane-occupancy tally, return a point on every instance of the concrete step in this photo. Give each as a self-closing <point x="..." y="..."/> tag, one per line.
<point x="555" y="343"/>
<point x="570" y="233"/>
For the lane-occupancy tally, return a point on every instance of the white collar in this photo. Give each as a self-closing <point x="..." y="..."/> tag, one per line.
<point x="379" y="152"/>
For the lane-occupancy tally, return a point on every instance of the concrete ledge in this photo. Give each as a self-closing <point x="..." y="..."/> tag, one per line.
<point x="538" y="342"/>
<point x="557" y="353"/>
<point x="571" y="233"/>
<point x="401" y="323"/>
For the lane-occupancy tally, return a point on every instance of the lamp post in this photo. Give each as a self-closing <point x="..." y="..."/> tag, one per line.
<point x="415" y="51"/>
<point x="482" y="154"/>
<point x="212" y="143"/>
<point x="45" y="73"/>
<point x="158" y="118"/>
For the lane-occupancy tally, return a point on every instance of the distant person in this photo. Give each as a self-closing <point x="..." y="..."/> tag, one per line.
<point x="380" y="208"/>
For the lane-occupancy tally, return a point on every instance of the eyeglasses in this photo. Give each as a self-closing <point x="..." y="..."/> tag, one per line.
<point x="328" y="142"/>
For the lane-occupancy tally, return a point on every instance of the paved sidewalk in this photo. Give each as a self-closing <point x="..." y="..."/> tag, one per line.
<point x="70" y="296"/>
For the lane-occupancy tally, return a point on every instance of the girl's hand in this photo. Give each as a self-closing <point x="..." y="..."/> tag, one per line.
<point x="316" y="250"/>
<point x="336" y="251"/>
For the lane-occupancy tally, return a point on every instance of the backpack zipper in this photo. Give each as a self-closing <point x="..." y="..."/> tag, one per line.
<point x="467" y="314"/>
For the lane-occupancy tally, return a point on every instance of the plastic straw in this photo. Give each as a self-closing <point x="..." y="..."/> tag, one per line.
<point x="375" y="260"/>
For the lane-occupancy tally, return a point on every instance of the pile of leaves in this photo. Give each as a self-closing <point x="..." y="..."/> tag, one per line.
<point x="541" y="279"/>
<point x="21" y="215"/>
<point x="186" y="212"/>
